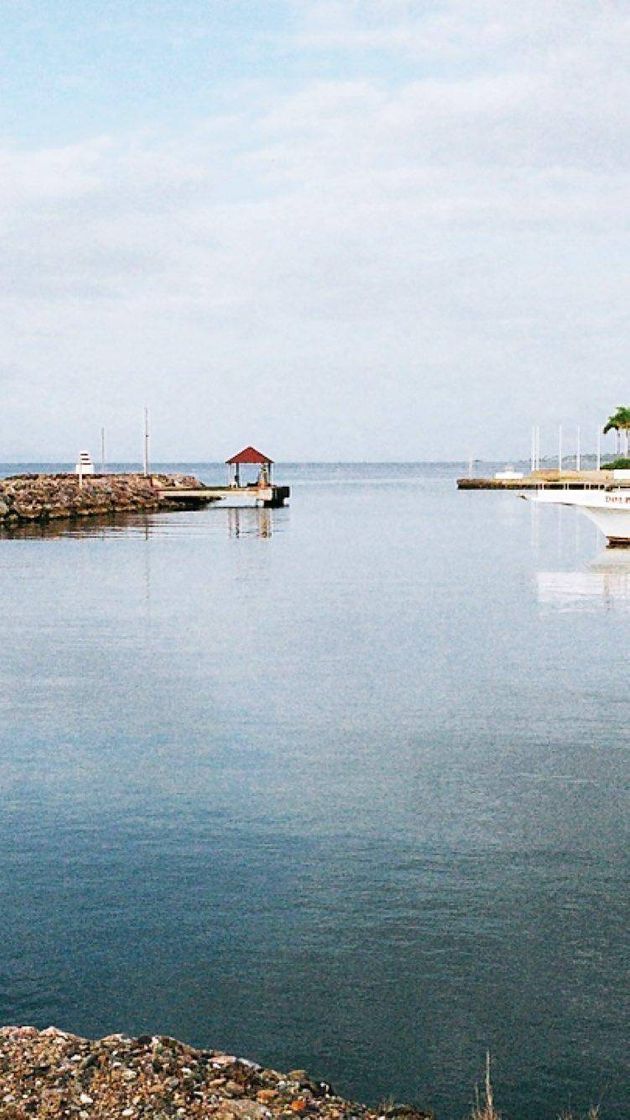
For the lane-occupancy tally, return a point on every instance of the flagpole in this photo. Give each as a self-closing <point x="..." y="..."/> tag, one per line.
<point x="146" y="443"/>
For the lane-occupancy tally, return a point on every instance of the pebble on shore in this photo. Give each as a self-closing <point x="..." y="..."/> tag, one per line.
<point x="52" y="1074"/>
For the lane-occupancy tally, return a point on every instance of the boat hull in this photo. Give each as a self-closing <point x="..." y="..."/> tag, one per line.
<point x="609" y="510"/>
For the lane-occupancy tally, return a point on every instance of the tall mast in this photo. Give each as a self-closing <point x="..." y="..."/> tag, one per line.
<point x="146" y="443"/>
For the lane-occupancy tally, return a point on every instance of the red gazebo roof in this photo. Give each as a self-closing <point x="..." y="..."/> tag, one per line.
<point x="249" y="455"/>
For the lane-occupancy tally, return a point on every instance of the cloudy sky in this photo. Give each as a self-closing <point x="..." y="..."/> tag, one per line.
<point x="355" y="229"/>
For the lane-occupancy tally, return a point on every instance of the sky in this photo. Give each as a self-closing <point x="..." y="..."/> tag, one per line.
<point x="336" y="229"/>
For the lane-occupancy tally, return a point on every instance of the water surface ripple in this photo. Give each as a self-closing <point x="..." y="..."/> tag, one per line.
<point x="338" y="786"/>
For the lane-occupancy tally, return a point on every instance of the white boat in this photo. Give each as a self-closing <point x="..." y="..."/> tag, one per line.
<point x="609" y="509"/>
<point x="84" y="463"/>
<point x="508" y="474"/>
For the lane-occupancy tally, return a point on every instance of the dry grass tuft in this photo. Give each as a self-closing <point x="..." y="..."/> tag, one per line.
<point x="484" y="1108"/>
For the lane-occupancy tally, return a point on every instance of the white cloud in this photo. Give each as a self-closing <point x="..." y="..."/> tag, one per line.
<point x="486" y="33"/>
<point x="364" y="255"/>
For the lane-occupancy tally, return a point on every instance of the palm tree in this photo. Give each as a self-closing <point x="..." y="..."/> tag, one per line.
<point x="619" y="422"/>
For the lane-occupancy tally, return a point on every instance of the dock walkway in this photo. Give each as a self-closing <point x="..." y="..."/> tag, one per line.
<point x="270" y="496"/>
<point x="547" y="480"/>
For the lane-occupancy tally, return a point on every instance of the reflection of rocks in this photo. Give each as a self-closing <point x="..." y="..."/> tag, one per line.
<point x="51" y="497"/>
<point x="52" y="1074"/>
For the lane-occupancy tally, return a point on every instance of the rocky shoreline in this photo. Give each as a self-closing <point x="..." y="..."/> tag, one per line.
<point x="51" y="1074"/>
<point x="40" y="498"/>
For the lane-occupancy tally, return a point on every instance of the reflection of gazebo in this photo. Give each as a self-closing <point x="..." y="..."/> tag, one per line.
<point x="249" y="456"/>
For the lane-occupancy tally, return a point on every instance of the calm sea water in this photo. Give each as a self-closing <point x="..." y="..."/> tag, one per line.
<point x="338" y="786"/>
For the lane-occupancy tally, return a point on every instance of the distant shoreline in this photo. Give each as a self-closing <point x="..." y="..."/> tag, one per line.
<point x="128" y="466"/>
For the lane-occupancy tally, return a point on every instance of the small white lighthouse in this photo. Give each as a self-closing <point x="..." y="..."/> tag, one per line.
<point x="84" y="464"/>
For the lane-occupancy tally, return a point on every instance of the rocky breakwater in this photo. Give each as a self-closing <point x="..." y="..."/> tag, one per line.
<point x="41" y="498"/>
<point x="49" y="1073"/>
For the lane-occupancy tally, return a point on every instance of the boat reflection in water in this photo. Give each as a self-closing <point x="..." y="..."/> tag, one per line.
<point x="604" y="584"/>
<point x="252" y="521"/>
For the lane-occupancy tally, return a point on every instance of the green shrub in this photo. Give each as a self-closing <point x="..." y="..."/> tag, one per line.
<point x="617" y="465"/>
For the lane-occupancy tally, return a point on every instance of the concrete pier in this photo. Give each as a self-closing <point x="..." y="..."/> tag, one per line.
<point x="550" y="479"/>
<point x="270" y="496"/>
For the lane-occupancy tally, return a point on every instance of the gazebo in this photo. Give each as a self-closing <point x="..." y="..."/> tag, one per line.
<point x="249" y="456"/>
